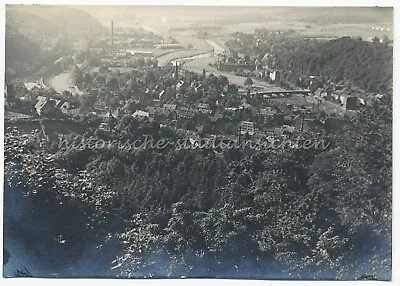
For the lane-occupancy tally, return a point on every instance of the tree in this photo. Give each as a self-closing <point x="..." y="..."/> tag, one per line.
<point x="223" y="81"/>
<point x="113" y="82"/>
<point x="248" y="82"/>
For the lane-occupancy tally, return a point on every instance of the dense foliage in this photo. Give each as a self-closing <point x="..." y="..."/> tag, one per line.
<point x="345" y="60"/>
<point x="312" y="209"/>
<point x="367" y="65"/>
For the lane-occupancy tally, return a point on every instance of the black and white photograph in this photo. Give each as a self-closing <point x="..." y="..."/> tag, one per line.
<point x="178" y="141"/>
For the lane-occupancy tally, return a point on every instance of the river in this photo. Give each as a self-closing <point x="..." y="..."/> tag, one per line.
<point x="64" y="82"/>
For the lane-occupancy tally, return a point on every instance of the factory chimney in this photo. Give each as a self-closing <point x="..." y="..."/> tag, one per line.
<point x="112" y="33"/>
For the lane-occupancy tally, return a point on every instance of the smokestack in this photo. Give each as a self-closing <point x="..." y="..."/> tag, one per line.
<point x="112" y="33"/>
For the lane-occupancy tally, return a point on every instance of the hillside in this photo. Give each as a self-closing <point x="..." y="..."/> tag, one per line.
<point x="37" y="35"/>
<point x="367" y="65"/>
<point x="21" y="53"/>
<point x="50" y="20"/>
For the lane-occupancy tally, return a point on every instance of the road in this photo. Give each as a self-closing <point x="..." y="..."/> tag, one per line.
<point x="63" y="82"/>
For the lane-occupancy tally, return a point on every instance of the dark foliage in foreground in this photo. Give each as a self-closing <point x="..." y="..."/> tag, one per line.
<point x="312" y="209"/>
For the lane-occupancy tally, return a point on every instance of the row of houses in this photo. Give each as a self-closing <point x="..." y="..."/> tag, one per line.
<point x="51" y="106"/>
<point x="349" y="102"/>
<point x="292" y="124"/>
<point x="172" y="109"/>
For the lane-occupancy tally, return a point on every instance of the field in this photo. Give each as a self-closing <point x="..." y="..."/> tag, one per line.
<point x="167" y="58"/>
<point x="312" y="29"/>
<point x="187" y="39"/>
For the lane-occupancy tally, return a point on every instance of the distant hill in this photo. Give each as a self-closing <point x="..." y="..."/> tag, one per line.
<point x="52" y="19"/>
<point x="37" y="34"/>
<point x="21" y="53"/>
<point x="367" y="65"/>
<point x="347" y="15"/>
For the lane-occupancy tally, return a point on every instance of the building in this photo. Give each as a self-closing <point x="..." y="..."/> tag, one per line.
<point x="267" y="112"/>
<point x="140" y="114"/>
<point x="158" y="111"/>
<point x="217" y="116"/>
<point x="118" y="53"/>
<point x="247" y="127"/>
<point x="170" y="107"/>
<point x="62" y="105"/>
<point x="275" y="76"/>
<point x="168" y="46"/>
<point x="141" y="53"/>
<point x="231" y="110"/>
<point x="186" y="112"/>
<point x="204" y="108"/>
<point x="45" y="107"/>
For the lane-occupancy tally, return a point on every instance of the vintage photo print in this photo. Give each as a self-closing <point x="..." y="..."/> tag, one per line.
<point x="198" y="141"/>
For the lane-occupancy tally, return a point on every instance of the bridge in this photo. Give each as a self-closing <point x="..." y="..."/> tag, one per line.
<point x="280" y="93"/>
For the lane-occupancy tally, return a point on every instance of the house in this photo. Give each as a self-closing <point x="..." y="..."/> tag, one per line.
<point x="170" y="107"/>
<point x="140" y="114"/>
<point x="186" y="112"/>
<point x="162" y="111"/>
<point x="244" y="104"/>
<point x="319" y="92"/>
<point x="180" y="84"/>
<point x="118" y="113"/>
<point x="151" y="110"/>
<point x="72" y="111"/>
<point x="168" y="46"/>
<point x="203" y="105"/>
<point x="275" y="76"/>
<point x="41" y="98"/>
<point x="343" y="99"/>
<point x="65" y="107"/>
<point x="45" y="107"/>
<point x="197" y="86"/>
<point x="216" y="117"/>
<point x="141" y="53"/>
<point x="231" y="110"/>
<point x="204" y="108"/>
<point x="336" y="96"/>
<point x="267" y="113"/>
<point x="287" y="129"/>
<point x="247" y="127"/>
<point x="62" y="105"/>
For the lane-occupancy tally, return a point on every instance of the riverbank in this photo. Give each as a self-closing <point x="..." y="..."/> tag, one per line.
<point x="64" y="82"/>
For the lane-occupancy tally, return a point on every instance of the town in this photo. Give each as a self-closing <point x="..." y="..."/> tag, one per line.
<point x="172" y="142"/>
<point x="119" y="77"/>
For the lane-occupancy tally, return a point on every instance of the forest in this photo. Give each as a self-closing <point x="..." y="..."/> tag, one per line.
<point x="323" y="211"/>
<point x="365" y="65"/>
